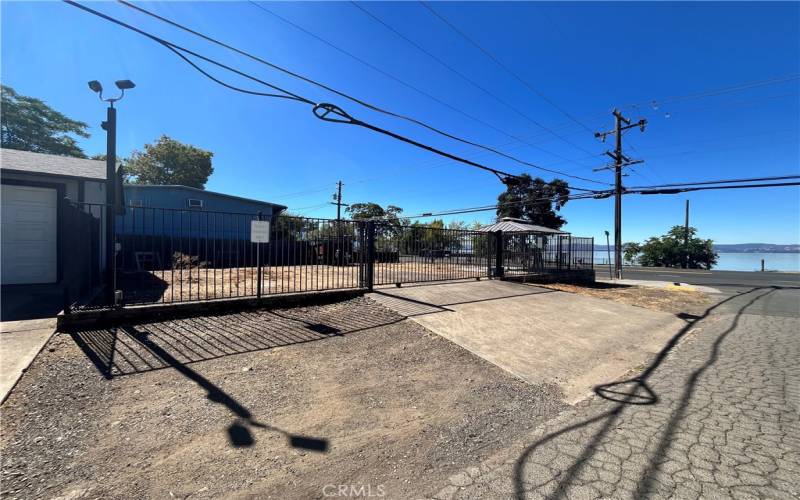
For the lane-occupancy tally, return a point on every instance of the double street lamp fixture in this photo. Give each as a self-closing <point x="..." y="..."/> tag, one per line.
<point x="122" y="85"/>
<point x="110" y="126"/>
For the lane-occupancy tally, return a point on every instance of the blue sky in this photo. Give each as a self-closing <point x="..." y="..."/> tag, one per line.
<point x="570" y="52"/>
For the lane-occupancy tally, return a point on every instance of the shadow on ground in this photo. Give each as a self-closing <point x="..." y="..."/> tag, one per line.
<point x="636" y="391"/>
<point x="137" y="348"/>
<point x="124" y="351"/>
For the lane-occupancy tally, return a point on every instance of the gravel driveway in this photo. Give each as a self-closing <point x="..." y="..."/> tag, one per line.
<point x="295" y="403"/>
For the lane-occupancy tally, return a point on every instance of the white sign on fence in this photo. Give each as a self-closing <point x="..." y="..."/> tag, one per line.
<point x="259" y="231"/>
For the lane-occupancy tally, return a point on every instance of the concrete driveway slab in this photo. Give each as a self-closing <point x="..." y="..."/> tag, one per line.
<point x="20" y="342"/>
<point x="539" y="335"/>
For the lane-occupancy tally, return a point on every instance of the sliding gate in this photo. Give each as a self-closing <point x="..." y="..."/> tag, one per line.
<point x="416" y="253"/>
<point x="164" y="255"/>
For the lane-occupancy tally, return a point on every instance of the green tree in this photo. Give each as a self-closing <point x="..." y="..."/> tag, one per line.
<point x="170" y="162"/>
<point x="535" y="200"/>
<point x="669" y="250"/>
<point x="373" y="211"/>
<point x="30" y="124"/>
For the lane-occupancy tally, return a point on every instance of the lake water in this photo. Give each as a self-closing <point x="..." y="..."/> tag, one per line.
<point x="739" y="261"/>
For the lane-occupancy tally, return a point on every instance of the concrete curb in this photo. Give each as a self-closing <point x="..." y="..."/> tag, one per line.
<point x="101" y="318"/>
<point x="23" y="369"/>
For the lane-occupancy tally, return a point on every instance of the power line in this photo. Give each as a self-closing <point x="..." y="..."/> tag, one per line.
<point x="318" y="205"/>
<point x="486" y="208"/>
<point x="724" y="181"/>
<point x="327" y="109"/>
<point x="464" y="77"/>
<point x="598" y="195"/>
<point x="508" y="70"/>
<point x="322" y="111"/>
<point x="717" y="91"/>
<point x="426" y="94"/>
<point x="708" y="188"/>
<point x="300" y="193"/>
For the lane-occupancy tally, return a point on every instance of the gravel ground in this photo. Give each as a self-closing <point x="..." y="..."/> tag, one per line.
<point x="239" y="406"/>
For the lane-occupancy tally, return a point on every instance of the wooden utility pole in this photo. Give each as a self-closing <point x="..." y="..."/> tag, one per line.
<point x="620" y="161"/>
<point x="338" y="198"/>
<point x="686" y="238"/>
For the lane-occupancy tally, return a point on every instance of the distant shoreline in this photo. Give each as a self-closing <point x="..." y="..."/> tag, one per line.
<point x="727" y="249"/>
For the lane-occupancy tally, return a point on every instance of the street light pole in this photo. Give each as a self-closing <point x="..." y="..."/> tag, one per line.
<point x="686" y="238"/>
<point x="110" y="126"/>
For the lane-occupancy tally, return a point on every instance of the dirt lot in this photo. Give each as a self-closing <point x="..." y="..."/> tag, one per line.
<point x="199" y="283"/>
<point x="673" y="301"/>
<point x="243" y="405"/>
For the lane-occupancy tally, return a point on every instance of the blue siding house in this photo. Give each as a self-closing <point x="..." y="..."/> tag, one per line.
<point x="187" y="212"/>
<point x="159" y="221"/>
<point x="189" y="198"/>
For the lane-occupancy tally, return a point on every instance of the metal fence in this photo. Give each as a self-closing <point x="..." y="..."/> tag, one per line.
<point x="531" y="253"/>
<point x="165" y="255"/>
<point x="418" y="253"/>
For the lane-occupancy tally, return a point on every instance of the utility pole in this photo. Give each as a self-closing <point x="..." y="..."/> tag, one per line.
<point x="337" y="197"/>
<point x="620" y="161"/>
<point x="686" y="238"/>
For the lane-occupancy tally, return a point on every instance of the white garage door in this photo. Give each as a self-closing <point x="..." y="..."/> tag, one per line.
<point x="29" y="235"/>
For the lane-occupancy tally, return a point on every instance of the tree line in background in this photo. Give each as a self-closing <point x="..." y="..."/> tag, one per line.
<point x="29" y="124"/>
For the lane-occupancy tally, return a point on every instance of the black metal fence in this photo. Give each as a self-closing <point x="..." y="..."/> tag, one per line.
<point x="167" y="255"/>
<point x="418" y="253"/>
<point x="531" y="253"/>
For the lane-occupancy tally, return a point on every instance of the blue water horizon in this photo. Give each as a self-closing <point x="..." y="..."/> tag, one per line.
<point x="787" y="262"/>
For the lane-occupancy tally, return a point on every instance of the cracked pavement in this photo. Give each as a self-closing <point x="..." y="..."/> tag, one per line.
<point x="715" y="415"/>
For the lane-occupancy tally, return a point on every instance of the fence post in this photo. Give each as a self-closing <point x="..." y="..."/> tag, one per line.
<point x="569" y="255"/>
<point x="258" y="263"/>
<point x="498" y="255"/>
<point x="558" y="252"/>
<point x="370" y="255"/>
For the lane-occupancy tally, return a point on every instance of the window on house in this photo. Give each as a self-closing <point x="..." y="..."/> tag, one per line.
<point x="136" y="203"/>
<point x="195" y="203"/>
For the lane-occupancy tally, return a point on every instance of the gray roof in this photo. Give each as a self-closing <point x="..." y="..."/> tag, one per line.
<point x="45" y="164"/>
<point x="213" y="193"/>
<point x="510" y="225"/>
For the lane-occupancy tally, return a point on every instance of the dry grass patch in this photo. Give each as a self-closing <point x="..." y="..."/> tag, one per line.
<point x="674" y="300"/>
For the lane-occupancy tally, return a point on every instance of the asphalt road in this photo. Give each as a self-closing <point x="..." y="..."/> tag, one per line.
<point x="736" y="279"/>
<point x="716" y="414"/>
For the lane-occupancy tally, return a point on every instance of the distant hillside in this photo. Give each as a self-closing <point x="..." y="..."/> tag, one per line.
<point x="756" y="248"/>
<point x="740" y="248"/>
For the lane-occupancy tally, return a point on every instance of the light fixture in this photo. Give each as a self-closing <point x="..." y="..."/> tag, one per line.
<point x="122" y="85"/>
<point x="125" y="84"/>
